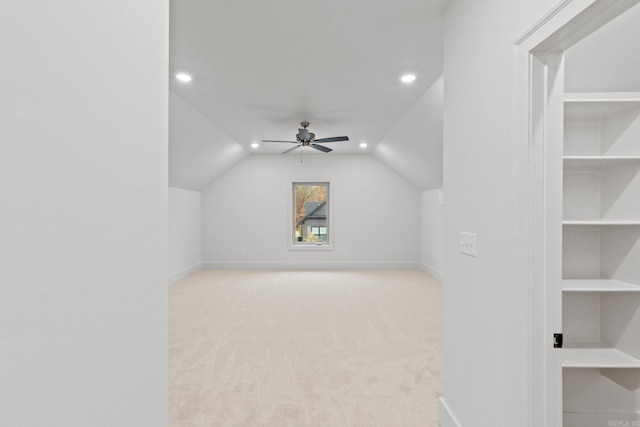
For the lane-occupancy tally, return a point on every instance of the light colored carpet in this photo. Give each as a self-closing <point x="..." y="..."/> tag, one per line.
<point x="305" y="348"/>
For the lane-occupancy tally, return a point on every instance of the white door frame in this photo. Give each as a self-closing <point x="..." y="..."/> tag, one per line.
<point x="538" y="105"/>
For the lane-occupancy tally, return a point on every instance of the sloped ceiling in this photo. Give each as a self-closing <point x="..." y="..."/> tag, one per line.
<point x="199" y="151"/>
<point x="259" y="68"/>
<point x="413" y="148"/>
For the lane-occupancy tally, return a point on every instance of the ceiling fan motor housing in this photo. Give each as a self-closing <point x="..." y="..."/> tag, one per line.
<point x="305" y="137"/>
<point x="306" y="142"/>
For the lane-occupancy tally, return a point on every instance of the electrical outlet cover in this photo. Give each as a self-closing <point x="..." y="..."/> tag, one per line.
<point x="468" y="244"/>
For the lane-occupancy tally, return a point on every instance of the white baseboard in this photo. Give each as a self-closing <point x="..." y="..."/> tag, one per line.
<point x="447" y="419"/>
<point x="176" y="277"/>
<point x="436" y="274"/>
<point x="310" y="265"/>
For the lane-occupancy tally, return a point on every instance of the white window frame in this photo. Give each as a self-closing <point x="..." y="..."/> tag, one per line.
<point x="293" y="244"/>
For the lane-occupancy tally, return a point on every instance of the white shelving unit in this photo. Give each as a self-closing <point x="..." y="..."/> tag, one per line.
<point x="601" y="222"/>
<point x="601" y="259"/>
<point x="598" y="161"/>
<point x="594" y="357"/>
<point x="598" y="285"/>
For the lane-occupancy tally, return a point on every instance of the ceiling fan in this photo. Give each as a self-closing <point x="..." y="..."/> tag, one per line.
<point x="304" y="138"/>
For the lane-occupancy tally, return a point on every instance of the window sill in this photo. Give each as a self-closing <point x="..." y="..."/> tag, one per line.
<point x="310" y="247"/>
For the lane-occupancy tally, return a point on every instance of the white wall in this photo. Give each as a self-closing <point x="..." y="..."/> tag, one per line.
<point x="185" y="233"/>
<point x="83" y="213"/>
<point x="414" y="146"/>
<point x="608" y="59"/>
<point x="485" y="298"/>
<point x="376" y="214"/>
<point x="432" y="234"/>
<point x="199" y="151"/>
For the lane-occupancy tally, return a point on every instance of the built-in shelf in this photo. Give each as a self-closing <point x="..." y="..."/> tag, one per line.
<point x="598" y="285"/>
<point x="599" y="104"/>
<point x="600" y="222"/>
<point x="600" y="97"/>
<point x="596" y="355"/>
<point x="598" y="161"/>
<point x="600" y="208"/>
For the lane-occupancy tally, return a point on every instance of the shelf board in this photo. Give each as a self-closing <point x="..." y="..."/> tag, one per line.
<point x="598" y="105"/>
<point x="597" y="357"/>
<point x="598" y="161"/>
<point x="598" y="285"/>
<point x="600" y="222"/>
<point x="599" y="97"/>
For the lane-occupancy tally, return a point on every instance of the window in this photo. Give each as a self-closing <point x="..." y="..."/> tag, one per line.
<point x="310" y="214"/>
<point x="320" y="232"/>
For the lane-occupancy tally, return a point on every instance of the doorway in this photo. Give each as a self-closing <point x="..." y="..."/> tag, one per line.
<point x="576" y="294"/>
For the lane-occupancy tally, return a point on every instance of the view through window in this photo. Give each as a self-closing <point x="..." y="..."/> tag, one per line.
<point x="311" y="213"/>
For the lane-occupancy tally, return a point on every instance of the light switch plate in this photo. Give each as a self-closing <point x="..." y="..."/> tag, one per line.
<point x="468" y="243"/>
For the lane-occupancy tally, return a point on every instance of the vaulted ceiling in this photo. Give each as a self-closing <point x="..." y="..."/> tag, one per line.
<point x="261" y="67"/>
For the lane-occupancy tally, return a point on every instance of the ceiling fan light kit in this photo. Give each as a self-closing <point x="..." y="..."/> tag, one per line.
<point x="304" y="138"/>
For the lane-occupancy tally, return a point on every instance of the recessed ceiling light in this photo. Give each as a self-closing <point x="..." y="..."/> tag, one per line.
<point x="255" y="145"/>
<point x="363" y="145"/>
<point x="407" y="78"/>
<point x="183" y="77"/>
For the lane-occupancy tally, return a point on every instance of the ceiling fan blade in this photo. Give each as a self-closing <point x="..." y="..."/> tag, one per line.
<point x="333" y="139"/>
<point x="304" y="134"/>
<point x="270" y="140"/>
<point x="291" y="149"/>
<point x="321" y="148"/>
